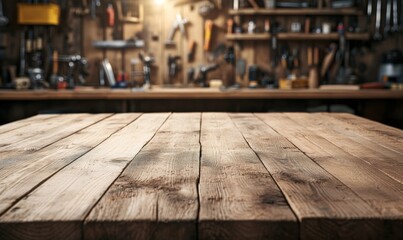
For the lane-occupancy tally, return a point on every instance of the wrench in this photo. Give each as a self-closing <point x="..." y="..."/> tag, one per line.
<point x="395" y="27"/>
<point x="387" y="19"/>
<point x="377" y="34"/>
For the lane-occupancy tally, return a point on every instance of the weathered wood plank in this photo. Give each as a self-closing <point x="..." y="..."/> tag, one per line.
<point x="66" y="198"/>
<point x="27" y="131"/>
<point x="366" y="138"/>
<point x="384" y="159"/>
<point x="34" y="137"/>
<point x="384" y="135"/>
<point x="46" y="134"/>
<point x="16" y="180"/>
<point x="156" y="196"/>
<point x="24" y="122"/>
<point x="325" y="207"/>
<point x="380" y="191"/>
<point x="238" y="197"/>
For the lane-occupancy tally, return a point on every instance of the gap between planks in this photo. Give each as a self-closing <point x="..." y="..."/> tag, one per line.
<point x="130" y="208"/>
<point x="24" y="177"/>
<point x="323" y="204"/>
<point x="78" y="193"/>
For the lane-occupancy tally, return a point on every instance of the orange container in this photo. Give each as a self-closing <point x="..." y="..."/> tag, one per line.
<point x="38" y="14"/>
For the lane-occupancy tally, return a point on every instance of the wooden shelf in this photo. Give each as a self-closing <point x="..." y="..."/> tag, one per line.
<point x="297" y="11"/>
<point x="296" y="36"/>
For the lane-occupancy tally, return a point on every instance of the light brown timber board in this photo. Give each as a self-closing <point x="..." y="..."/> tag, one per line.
<point x="42" y="136"/>
<point x="380" y="191"/>
<point x="38" y="127"/>
<point x="390" y="149"/>
<point x="238" y="198"/>
<point x="325" y="207"/>
<point x="108" y="181"/>
<point x="385" y="135"/>
<point x="387" y="161"/>
<point x="66" y="198"/>
<point x="34" y="137"/>
<point x="31" y="170"/>
<point x="157" y="194"/>
<point x="24" y="122"/>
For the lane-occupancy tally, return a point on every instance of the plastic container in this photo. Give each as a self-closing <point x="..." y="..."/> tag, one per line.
<point x="38" y="14"/>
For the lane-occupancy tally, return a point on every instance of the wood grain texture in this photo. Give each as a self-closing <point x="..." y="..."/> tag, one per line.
<point x="313" y="194"/>
<point x="156" y="196"/>
<point x="238" y="197"/>
<point x="27" y="140"/>
<point x="381" y="192"/>
<point x="69" y="195"/>
<point x="384" y="135"/>
<point x="201" y="175"/>
<point x="35" y="137"/>
<point x="25" y="172"/>
<point x="37" y="128"/>
<point x="24" y="122"/>
<point x="377" y="156"/>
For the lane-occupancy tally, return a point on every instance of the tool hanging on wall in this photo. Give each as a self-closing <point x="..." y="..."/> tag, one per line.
<point x="94" y="5"/>
<point x="254" y="4"/>
<point x="328" y="60"/>
<point x="369" y="11"/>
<point x="230" y="26"/>
<point x="313" y="60"/>
<point x="208" y="29"/>
<point x="377" y="34"/>
<point x="207" y="10"/>
<point x="173" y="68"/>
<point x="180" y="24"/>
<point x="192" y="51"/>
<point x="386" y="28"/>
<point x="3" y="19"/>
<point x="401" y="16"/>
<point x="201" y="79"/>
<point x="395" y="26"/>
<point x="81" y="9"/>
<point x="147" y="61"/>
<point x="110" y="15"/>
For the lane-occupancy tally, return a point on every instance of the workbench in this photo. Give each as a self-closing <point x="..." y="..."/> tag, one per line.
<point x="200" y="176"/>
<point x="381" y="105"/>
<point x="195" y="93"/>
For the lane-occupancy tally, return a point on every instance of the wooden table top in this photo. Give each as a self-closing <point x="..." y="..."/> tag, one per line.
<point x="197" y="93"/>
<point x="200" y="175"/>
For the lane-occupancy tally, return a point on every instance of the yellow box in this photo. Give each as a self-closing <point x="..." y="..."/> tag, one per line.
<point x="293" y="84"/>
<point x="38" y="14"/>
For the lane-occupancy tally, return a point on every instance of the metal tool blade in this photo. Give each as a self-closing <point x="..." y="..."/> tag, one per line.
<point x="377" y="34"/>
<point x="401" y="16"/>
<point x="387" y="18"/>
<point x="369" y="8"/>
<point x="395" y="26"/>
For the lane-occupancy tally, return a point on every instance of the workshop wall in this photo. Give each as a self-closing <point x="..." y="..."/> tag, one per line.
<point x="77" y="32"/>
<point x="158" y="21"/>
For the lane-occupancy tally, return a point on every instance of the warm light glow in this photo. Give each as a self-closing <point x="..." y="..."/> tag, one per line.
<point x="159" y="2"/>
